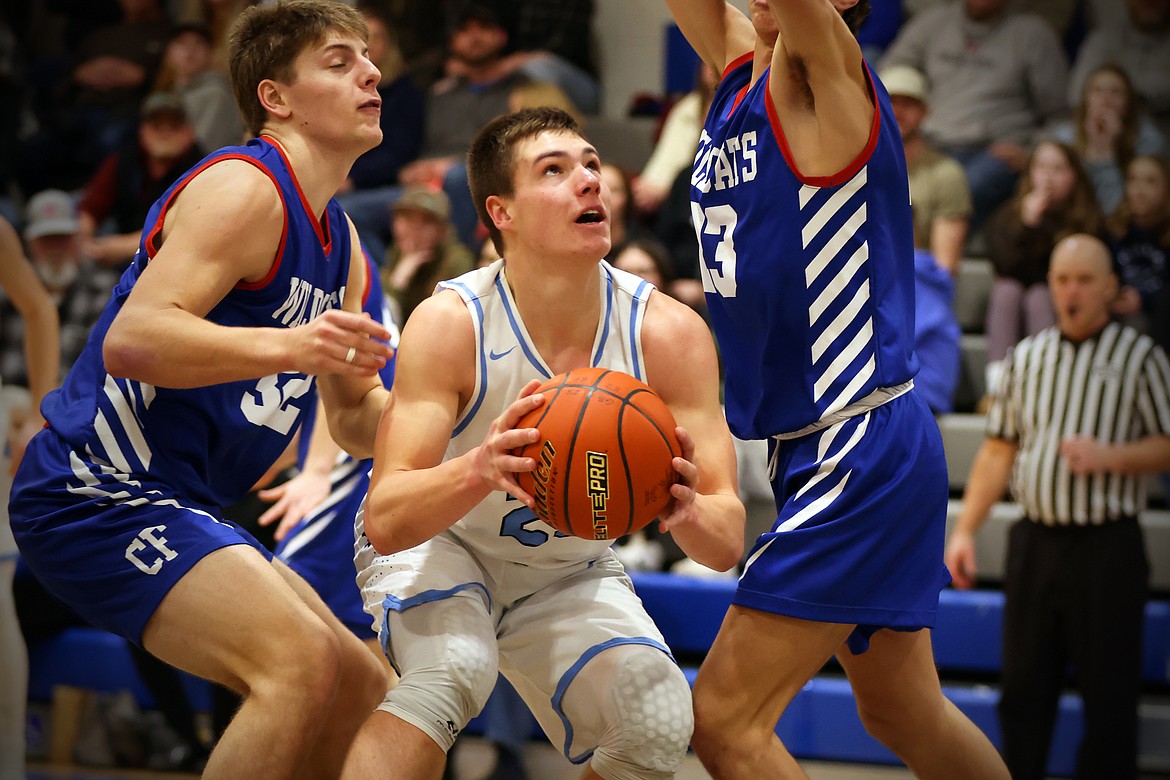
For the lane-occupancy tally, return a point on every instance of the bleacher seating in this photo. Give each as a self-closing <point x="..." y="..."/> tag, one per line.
<point x="973" y="282"/>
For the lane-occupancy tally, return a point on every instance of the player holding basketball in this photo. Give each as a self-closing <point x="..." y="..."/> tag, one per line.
<point x="469" y="581"/>
<point x="246" y="284"/>
<point x="802" y="211"/>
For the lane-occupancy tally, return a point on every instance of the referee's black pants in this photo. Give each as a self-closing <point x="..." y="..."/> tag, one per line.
<point x="1073" y="595"/>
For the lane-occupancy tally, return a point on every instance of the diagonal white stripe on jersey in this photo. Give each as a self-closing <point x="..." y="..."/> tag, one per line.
<point x="91" y="485"/>
<point x="308" y="534"/>
<point x="748" y="563"/>
<point x="834" y="246"/>
<point x="827" y="465"/>
<point x="835" y="203"/>
<point x="105" y="432"/>
<point x="807" y="193"/>
<point x="843" y="360"/>
<point x="847" y="395"/>
<point x="841" y="322"/>
<point x="130" y="424"/>
<point x="816" y="507"/>
<point x="839" y="283"/>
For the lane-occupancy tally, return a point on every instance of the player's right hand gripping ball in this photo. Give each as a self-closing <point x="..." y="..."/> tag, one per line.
<point x="603" y="459"/>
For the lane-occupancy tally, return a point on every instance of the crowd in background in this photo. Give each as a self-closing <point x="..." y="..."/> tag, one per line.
<point x="1023" y="121"/>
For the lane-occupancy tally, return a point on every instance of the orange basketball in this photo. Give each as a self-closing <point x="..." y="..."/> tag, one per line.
<point x="603" y="459"/>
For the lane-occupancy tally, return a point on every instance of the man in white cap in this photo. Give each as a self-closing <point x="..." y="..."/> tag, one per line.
<point x="78" y="287"/>
<point x="938" y="187"/>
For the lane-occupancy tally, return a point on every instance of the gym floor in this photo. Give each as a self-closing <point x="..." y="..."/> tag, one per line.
<point x="474" y="760"/>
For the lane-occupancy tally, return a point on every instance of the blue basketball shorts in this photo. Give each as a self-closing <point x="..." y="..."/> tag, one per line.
<point x="861" y="524"/>
<point x="320" y="548"/>
<point x="109" y="545"/>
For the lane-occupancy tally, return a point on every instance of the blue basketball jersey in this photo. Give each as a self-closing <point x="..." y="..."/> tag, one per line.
<point x="211" y="443"/>
<point x="809" y="281"/>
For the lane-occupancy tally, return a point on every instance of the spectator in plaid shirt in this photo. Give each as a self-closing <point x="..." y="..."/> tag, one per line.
<point x="78" y="286"/>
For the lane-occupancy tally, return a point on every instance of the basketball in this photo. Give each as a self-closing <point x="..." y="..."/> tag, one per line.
<point x="603" y="459"/>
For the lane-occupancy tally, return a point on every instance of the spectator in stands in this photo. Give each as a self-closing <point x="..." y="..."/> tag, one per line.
<point x="1139" y="236"/>
<point x="938" y="188"/>
<point x="623" y="227"/>
<point x="85" y="87"/>
<point x="648" y="259"/>
<point x="1054" y="200"/>
<point x="675" y="228"/>
<point x="475" y="91"/>
<point x="206" y="93"/>
<point x="115" y="68"/>
<point x="1108" y="129"/>
<point x="19" y="283"/>
<point x="674" y="151"/>
<point x="539" y="94"/>
<point x="134" y="177"/>
<point x="996" y="77"/>
<point x="551" y="41"/>
<point x="1141" y="45"/>
<point x="373" y="180"/>
<point x="77" y="286"/>
<point x="1082" y="412"/>
<point x="12" y="104"/>
<point x="218" y="15"/>
<point x="424" y="252"/>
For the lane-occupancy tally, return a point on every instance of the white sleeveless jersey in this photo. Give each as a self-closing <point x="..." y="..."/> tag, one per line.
<point x="499" y="526"/>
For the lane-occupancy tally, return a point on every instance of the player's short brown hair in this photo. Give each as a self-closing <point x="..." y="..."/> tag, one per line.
<point x="265" y="41"/>
<point x="491" y="162"/>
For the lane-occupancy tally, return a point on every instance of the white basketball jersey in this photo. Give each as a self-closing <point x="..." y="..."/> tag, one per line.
<point x="499" y="526"/>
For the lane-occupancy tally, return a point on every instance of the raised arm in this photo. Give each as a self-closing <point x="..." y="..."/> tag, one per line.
<point x="224" y="228"/>
<point x="415" y="494"/>
<point x="819" y="86"/>
<point x="716" y="30"/>
<point x="706" y="516"/>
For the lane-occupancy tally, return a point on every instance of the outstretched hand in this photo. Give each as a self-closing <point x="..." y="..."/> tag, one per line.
<point x="323" y="345"/>
<point x="292" y="501"/>
<point x="495" y="460"/>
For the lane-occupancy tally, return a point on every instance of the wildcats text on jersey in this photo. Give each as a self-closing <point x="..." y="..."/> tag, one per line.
<point x="305" y="302"/>
<point x="725" y="165"/>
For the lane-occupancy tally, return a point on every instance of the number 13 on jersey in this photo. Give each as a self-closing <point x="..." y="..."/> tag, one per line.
<point x="715" y="225"/>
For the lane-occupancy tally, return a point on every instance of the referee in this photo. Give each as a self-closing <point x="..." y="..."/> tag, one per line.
<point x="1082" y="413"/>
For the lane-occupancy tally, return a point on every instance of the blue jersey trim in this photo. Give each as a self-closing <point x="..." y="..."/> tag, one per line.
<point x="605" y="319"/>
<point x="467" y="295"/>
<point x="635" y="305"/>
<point x="571" y="674"/>
<point x="525" y="347"/>
<point x="395" y="604"/>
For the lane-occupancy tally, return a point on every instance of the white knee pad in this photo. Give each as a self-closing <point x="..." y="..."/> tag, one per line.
<point x="448" y="664"/>
<point x="644" y="715"/>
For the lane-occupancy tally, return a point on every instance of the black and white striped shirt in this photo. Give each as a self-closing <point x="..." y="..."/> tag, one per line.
<point x="1113" y="387"/>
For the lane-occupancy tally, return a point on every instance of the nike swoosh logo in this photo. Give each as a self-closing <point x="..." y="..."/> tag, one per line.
<point x="497" y="355"/>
